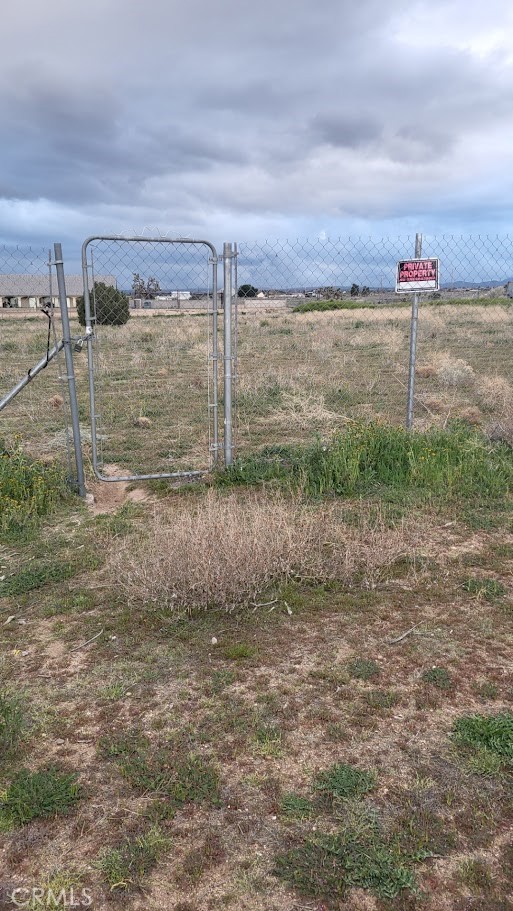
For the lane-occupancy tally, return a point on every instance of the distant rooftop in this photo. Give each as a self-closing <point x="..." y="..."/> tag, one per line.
<point x="39" y="285"/>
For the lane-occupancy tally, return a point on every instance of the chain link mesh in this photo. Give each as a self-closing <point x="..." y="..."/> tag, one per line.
<point x="323" y="338"/>
<point x="153" y="367"/>
<point x="38" y="418"/>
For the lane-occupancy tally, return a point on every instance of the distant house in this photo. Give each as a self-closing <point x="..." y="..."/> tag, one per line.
<point x="31" y="292"/>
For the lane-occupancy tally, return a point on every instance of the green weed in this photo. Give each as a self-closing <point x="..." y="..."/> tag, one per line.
<point x="54" y="890"/>
<point x="363" y="668"/>
<point x="239" y="651"/>
<point x="486" y="589"/>
<point x="76" y="602"/>
<point x="457" y="463"/>
<point x="126" y="866"/>
<point x="12" y="722"/>
<point x="486" y="689"/>
<point x="489" y="737"/>
<point x="269" y="740"/>
<point x="343" y="782"/>
<point x="36" y="574"/>
<point x="322" y="306"/>
<point x="164" y="772"/>
<point x="296" y="807"/>
<point x="29" y="490"/>
<point x="439" y="677"/>
<point x="476" y="874"/>
<point x="31" y="795"/>
<point x="381" y="699"/>
<point x="327" y="866"/>
<point x="219" y="681"/>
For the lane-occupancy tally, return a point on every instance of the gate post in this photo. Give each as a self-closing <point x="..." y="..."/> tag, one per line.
<point x="413" y="343"/>
<point x="70" y="370"/>
<point x="228" y="379"/>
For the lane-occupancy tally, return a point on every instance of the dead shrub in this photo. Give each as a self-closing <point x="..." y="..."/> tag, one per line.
<point x="453" y="371"/>
<point x="226" y="551"/>
<point x="496" y="392"/>
<point x="426" y="371"/>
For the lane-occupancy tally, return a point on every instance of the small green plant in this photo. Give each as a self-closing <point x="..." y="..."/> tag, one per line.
<point x="381" y="699"/>
<point x="36" y="574"/>
<point x="55" y="891"/>
<point x="489" y="737"/>
<point x="476" y="874"/>
<point x="485" y="589"/>
<point x="32" y="795"/>
<point x="487" y="689"/>
<point x="29" y="490"/>
<point x="220" y="680"/>
<point x="12" y="723"/>
<point x="164" y="772"/>
<point x="337" y="732"/>
<point x="343" y="782"/>
<point x="439" y="677"/>
<point x="126" y="866"/>
<point x="363" y="668"/>
<point x="269" y="740"/>
<point x="485" y="762"/>
<point x="239" y="651"/>
<point x="76" y="602"/>
<point x="327" y="866"/>
<point x="296" y="807"/>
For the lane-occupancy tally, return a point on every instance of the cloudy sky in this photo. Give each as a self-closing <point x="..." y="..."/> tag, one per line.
<point x="237" y="120"/>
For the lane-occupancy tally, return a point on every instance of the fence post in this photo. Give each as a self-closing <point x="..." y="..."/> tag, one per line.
<point x="413" y="342"/>
<point x="70" y="370"/>
<point x="227" y="301"/>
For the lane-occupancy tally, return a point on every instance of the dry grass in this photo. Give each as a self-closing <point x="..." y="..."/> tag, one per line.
<point x="453" y="371"/>
<point x="156" y="368"/>
<point x="226" y="552"/>
<point x="496" y="392"/>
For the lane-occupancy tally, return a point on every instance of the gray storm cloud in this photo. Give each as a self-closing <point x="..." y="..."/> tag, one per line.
<point x="293" y="110"/>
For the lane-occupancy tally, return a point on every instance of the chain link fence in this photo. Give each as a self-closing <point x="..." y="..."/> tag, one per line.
<point x="38" y="418"/>
<point x="320" y="338"/>
<point x="153" y="357"/>
<point x="324" y="339"/>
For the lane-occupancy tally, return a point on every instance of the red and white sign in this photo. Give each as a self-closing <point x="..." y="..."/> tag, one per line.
<point x="417" y="275"/>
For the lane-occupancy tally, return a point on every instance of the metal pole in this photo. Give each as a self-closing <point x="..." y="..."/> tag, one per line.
<point x="227" y="297"/>
<point x="215" y="362"/>
<point x="413" y="342"/>
<point x="31" y="374"/>
<point x="90" y="354"/>
<point x="235" y="322"/>
<point x="70" y="370"/>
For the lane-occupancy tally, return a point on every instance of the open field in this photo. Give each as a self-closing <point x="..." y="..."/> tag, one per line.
<point x="298" y="374"/>
<point x="288" y="687"/>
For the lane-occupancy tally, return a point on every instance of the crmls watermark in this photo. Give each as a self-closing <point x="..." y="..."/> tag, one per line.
<point x="37" y="898"/>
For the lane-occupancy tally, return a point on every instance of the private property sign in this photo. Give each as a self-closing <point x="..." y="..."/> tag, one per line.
<point x="417" y="275"/>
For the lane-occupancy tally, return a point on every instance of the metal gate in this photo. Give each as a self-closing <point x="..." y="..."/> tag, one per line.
<point x="151" y="315"/>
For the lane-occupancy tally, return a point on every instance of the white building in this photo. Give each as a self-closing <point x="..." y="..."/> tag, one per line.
<point x="31" y="292"/>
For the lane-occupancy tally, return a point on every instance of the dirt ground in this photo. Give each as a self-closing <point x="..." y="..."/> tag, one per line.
<point x="268" y="698"/>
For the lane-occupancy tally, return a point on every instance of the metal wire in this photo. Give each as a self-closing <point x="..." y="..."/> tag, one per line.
<point x="154" y="355"/>
<point x="38" y="417"/>
<point x="301" y="373"/>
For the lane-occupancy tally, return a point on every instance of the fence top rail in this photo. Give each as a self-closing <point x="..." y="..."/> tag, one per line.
<point x="147" y="240"/>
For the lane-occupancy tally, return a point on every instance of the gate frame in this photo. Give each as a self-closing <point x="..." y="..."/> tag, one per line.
<point x="90" y="335"/>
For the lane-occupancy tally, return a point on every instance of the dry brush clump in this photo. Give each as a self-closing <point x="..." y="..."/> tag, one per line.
<point x="227" y="550"/>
